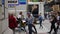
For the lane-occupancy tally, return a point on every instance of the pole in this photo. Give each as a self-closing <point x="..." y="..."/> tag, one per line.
<point x="4" y="9"/>
<point x="15" y="9"/>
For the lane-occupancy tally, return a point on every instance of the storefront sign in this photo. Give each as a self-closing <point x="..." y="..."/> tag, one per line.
<point x="13" y="2"/>
<point x="22" y="1"/>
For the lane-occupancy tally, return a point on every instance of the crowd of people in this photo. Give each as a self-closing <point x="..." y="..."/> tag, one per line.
<point x="54" y="17"/>
<point x="21" y="22"/>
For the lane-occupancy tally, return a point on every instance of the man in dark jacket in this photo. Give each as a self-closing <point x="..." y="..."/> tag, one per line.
<point x="35" y="11"/>
<point x="53" y="21"/>
<point x="58" y="21"/>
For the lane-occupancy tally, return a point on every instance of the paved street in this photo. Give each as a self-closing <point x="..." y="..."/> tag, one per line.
<point x="44" y="30"/>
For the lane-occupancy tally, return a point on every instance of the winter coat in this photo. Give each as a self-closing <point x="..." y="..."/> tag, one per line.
<point x="12" y="21"/>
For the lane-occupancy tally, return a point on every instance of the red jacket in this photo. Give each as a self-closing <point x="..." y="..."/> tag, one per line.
<point x="12" y="21"/>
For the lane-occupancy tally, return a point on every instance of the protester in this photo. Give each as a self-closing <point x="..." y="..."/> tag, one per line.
<point x="12" y="22"/>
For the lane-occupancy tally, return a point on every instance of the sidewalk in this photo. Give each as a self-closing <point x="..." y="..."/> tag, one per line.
<point x="44" y="30"/>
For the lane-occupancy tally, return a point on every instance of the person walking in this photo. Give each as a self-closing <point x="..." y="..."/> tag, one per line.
<point x="12" y="22"/>
<point x="40" y="20"/>
<point x="45" y="15"/>
<point x="58" y="21"/>
<point x="20" y="19"/>
<point x="34" y="11"/>
<point x="53" y="20"/>
<point x="30" y="24"/>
